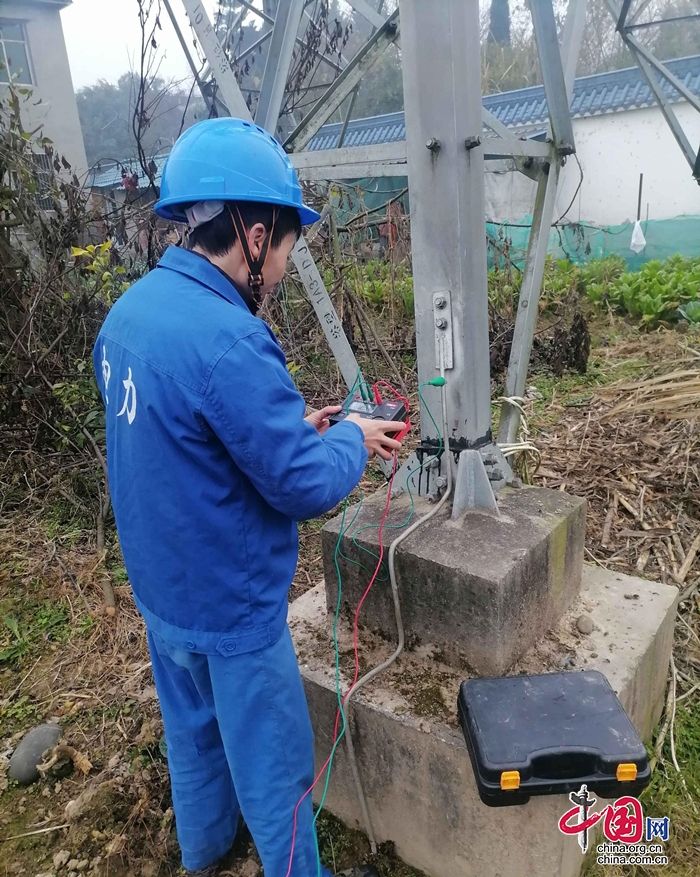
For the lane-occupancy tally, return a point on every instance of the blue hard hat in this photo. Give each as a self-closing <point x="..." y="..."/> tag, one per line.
<point x="229" y="160"/>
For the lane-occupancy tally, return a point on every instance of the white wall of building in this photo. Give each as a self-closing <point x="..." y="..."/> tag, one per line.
<point x="52" y="83"/>
<point x="613" y="150"/>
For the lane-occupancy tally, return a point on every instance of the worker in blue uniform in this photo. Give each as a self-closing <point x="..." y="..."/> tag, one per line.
<point x="211" y="464"/>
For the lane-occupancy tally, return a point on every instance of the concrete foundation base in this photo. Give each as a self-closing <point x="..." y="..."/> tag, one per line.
<point x="484" y="587"/>
<point x="412" y="757"/>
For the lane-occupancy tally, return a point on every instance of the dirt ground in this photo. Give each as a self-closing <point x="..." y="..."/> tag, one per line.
<point x="631" y="447"/>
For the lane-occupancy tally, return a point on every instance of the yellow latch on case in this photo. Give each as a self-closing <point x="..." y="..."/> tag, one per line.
<point x="625" y="773"/>
<point x="510" y="779"/>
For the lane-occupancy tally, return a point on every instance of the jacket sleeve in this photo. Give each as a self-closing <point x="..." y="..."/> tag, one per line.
<point x="254" y="408"/>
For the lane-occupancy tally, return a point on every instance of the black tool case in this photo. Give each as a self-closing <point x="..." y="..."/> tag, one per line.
<point x="548" y="735"/>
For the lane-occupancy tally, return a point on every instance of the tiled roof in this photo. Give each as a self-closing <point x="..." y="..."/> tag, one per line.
<point x="389" y="128"/>
<point x="593" y="95"/>
<point x="108" y="174"/>
<point x="527" y="108"/>
<point x="523" y="109"/>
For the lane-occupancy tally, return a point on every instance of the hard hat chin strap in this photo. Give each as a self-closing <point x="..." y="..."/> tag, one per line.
<point x="255" y="266"/>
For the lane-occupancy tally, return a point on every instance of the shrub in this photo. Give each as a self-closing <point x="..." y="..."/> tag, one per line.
<point x="658" y="292"/>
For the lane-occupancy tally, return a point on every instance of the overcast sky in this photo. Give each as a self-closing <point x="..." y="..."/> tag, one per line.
<point x="103" y="38"/>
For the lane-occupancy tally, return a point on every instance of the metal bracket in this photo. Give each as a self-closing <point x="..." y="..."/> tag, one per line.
<point x="498" y="469"/>
<point x="472" y="486"/>
<point x="429" y="479"/>
<point x="442" y="312"/>
<point x="409" y="471"/>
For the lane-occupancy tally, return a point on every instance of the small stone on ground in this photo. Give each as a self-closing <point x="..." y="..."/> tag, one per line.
<point x="585" y="624"/>
<point x="61" y="858"/>
<point x="28" y="754"/>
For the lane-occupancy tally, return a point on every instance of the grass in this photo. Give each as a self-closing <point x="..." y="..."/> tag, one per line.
<point x="601" y="372"/>
<point x="30" y="624"/>
<point x="21" y="712"/>
<point x="63" y="521"/>
<point x="26" y="637"/>
<point x="672" y="794"/>
<point x="342" y="848"/>
<point x="574" y="389"/>
<point x="34" y="622"/>
<point x="120" y="576"/>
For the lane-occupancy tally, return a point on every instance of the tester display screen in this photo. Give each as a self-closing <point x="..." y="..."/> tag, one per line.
<point x="378" y="409"/>
<point x="358" y="407"/>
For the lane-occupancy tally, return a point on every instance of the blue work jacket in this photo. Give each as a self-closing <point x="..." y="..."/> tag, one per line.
<point x="211" y="463"/>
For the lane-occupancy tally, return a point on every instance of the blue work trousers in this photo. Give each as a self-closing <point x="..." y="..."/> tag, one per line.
<point x="239" y="741"/>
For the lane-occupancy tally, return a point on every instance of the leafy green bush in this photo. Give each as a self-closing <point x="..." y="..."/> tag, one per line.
<point x="375" y="285"/>
<point x="79" y="393"/>
<point x="96" y="260"/>
<point x="562" y="278"/>
<point x="658" y="292"/>
<point x="691" y="311"/>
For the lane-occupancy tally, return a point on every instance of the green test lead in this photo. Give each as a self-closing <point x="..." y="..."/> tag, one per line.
<point x="437" y="382"/>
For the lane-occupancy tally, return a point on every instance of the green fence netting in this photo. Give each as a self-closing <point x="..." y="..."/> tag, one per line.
<point x="580" y="242"/>
<point x="576" y="241"/>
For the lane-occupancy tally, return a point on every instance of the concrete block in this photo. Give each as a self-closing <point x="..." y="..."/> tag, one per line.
<point x="415" y="767"/>
<point x="483" y="588"/>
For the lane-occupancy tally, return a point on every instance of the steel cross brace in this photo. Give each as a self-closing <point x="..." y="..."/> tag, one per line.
<point x="676" y="18"/>
<point x="558" y="100"/>
<point x="525" y="166"/>
<point x="352" y="162"/>
<point x="216" y="58"/>
<point x="668" y="112"/>
<point x="378" y="19"/>
<point x="313" y="283"/>
<point x="363" y="61"/>
<point x="227" y="38"/>
<point x="650" y="66"/>
<point x="198" y="78"/>
<point x="662" y="69"/>
<point x="645" y="4"/>
<point x="624" y="11"/>
<point x="542" y="217"/>
<point x="367" y="12"/>
<point x="528" y="302"/>
<point x="279" y="60"/>
<point x="268" y="19"/>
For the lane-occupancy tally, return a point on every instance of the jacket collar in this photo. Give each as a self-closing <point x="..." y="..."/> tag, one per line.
<point x="199" y="268"/>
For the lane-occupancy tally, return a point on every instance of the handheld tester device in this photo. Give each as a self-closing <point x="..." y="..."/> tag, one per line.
<point x="395" y="409"/>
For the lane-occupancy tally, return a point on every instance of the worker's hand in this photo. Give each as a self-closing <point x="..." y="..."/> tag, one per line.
<point x="376" y="433"/>
<point x="320" y="420"/>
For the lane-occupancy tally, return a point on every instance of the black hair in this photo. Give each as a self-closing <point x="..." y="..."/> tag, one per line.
<point x="218" y="236"/>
